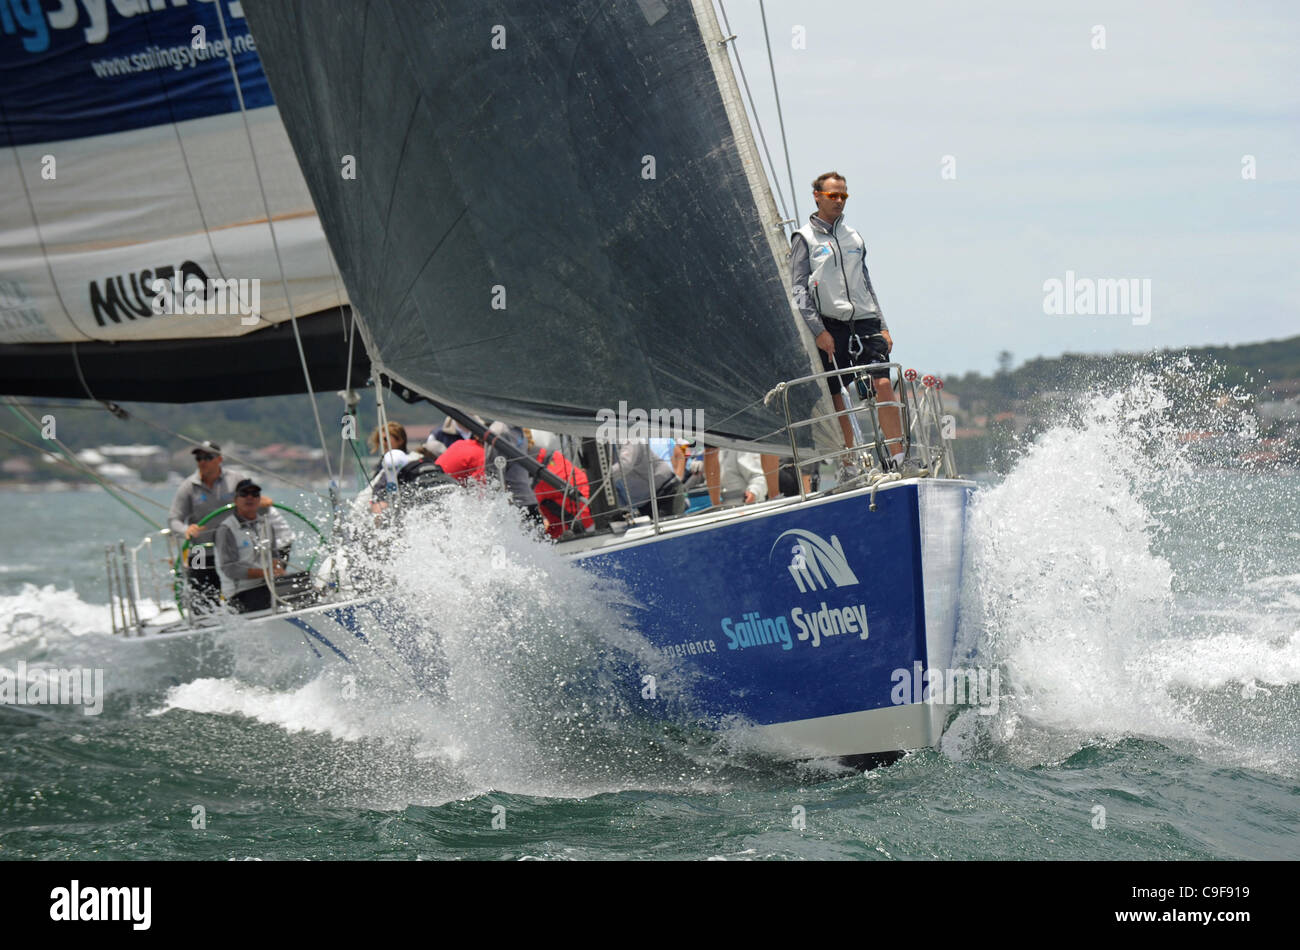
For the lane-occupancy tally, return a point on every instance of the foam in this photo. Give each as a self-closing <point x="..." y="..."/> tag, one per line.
<point x="1066" y="592"/>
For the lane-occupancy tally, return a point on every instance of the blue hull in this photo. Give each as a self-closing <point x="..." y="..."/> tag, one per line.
<point x="798" y="617"/>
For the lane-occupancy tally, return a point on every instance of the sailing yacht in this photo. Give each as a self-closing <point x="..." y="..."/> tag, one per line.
<point x="540" y="212"/>
<point x="559" y="209"/>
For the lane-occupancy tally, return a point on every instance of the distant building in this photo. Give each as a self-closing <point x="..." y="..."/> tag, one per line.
<point x="130" y="462"/>
<point x="121" y="452"/>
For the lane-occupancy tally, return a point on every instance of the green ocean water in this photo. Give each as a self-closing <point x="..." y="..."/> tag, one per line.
<point x="1145" y="619"/>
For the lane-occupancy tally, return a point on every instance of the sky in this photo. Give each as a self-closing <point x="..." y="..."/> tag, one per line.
<point x="1123" y="162"/>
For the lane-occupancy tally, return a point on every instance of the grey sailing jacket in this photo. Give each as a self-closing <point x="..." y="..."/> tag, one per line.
<point x="828" y="269"/>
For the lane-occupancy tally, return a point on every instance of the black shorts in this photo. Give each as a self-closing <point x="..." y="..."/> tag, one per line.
<point x="874" y="350"/>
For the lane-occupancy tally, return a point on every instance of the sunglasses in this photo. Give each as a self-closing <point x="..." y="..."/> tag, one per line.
<point x="204" y="456"/>
<point x="833" y="195"/>
<point x="247" y="493"/>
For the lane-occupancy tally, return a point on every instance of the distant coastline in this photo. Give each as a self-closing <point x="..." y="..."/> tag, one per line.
<point x="990" y="416"/>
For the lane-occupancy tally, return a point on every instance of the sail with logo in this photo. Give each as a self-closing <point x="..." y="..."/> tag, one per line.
<point x="145" y="165"/>
<point x="557" y="208"/>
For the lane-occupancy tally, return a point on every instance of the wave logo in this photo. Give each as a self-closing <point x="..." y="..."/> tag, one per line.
<point x="816" y="563"/>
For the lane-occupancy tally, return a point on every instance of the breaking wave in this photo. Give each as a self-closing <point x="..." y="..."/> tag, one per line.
<point x="1125" y="587"/>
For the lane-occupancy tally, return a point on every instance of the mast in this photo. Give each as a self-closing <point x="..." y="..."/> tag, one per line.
<point x="761" y="191"/>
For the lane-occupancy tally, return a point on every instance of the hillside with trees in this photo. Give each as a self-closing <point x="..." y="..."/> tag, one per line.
<point x="993" y="413"/>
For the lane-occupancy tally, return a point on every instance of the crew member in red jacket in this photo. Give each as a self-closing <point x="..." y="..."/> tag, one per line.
<point x="559" y="512"/>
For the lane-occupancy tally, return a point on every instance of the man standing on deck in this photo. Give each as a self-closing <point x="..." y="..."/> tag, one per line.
<point x="197" y="497"/>
<point x="832" y="289"/>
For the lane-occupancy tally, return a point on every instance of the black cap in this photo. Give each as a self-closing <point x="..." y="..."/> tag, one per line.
<point x="210" y="447"/>
<point x="246" y="483"/>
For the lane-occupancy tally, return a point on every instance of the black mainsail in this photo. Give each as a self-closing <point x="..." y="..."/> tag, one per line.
<point x="554" y="208"/>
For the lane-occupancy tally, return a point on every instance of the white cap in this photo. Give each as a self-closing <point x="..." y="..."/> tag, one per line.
<point x="395" y="458"/>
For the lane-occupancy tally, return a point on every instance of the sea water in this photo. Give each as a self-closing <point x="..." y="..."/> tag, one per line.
<point x="1141" y="607"/>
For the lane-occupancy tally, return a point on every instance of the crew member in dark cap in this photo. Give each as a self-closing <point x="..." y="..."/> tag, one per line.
<point x="250" y="545"/>
<point x="197" y="497"/>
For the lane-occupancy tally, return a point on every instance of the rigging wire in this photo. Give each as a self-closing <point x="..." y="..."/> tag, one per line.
<point x="165" y="86"/>
<point x="108" y="485"/>
<point x="78" y="464"/>
<point x="234" y="458"/>
<point x="381" y="413"/>
<point x="785" y="212"/>
<point x="81" y="377"/>
<point x="779" y="118"/>
<point x="361" y="462"/>
<point x="345" y="443"/>
<point x="275" y="242"/>
<point x="757" y="403"/>
<point x="36" y="222"/>
<point x="60" y="407"/>
<point x="76" y="468"/>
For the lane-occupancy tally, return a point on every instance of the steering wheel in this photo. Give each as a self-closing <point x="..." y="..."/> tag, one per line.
<point x="178" y="585"/>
